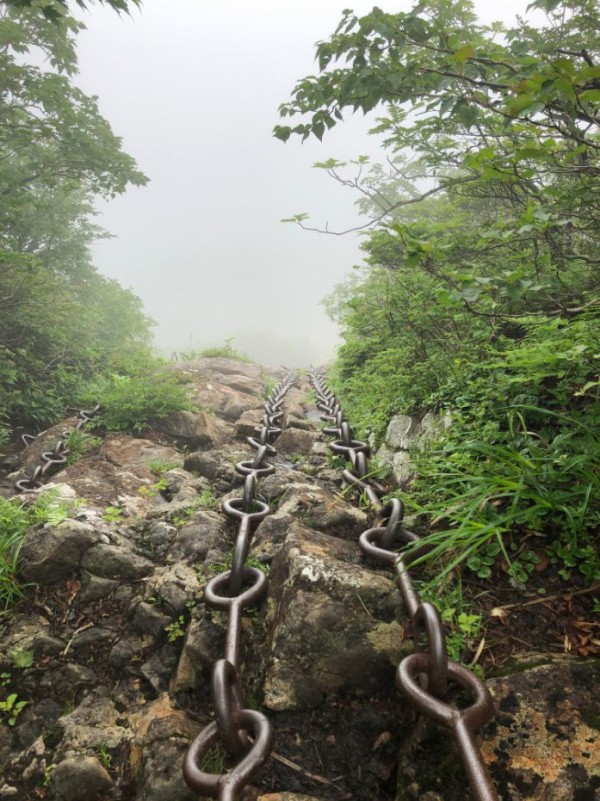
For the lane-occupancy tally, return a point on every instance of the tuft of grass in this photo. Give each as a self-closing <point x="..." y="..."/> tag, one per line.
<point x="226" y="350"/>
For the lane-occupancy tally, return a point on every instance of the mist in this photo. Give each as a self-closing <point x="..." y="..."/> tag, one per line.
<point x="193" y="89"/>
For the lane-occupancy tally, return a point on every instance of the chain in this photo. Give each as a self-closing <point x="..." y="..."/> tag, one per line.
<point x="244" y="733"/>
<point x="422" y="677"/>
<point x="51" y="461"/>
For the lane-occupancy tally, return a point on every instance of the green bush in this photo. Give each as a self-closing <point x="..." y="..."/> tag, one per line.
<point x="132" y="403"/>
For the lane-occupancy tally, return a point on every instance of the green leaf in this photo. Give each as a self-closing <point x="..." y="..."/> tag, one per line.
<point x="463" y="53"/>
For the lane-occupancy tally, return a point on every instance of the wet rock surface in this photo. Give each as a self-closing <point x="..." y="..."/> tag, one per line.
<point x="112" y="647"/>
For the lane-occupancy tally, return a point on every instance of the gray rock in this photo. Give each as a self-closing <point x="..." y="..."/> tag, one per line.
<point x="162" y="739"/>
<point x="204" y="463"/>
<point x="95" y="587"/>
<point x="194" y="541"/>
<point x="295" y="441"/>
<point x="80" y="777"/>
<point x="49" y="554"/>
<point x="149" y="619"/>
<point x="175" y="586"/>
<point x="196" y="431"/>
<point x="202" y="646"/>
<point x="159" y="668"/>
<point x="91" y="726"/>
<point x="35" y="719"/>
<point x="124" y="651"/>
<point x="66" y="681"/>
<point x="112" y="561"/>
<point x="400" y="432"/>
<point x="329" y="620"/>
<point x="244" y="427"/>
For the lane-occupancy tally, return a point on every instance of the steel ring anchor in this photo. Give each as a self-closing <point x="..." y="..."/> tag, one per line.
<point x="226" y="786"/>
<point x="460" y="722"/>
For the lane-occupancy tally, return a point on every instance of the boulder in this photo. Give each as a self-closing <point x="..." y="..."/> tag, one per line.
<point x="331" y="622"/>
<point x="200" y="430"/>
<point x="163" y="735"/>
<point x="51" y="553"/>
<point x="80" y="777"/>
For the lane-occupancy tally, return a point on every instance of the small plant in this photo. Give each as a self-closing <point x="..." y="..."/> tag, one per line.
<point x="158" y="467"/>
<point x="463" y="626"/>
<point x="11" y="708"/>
<point x="270" y="384"/>
<point x="21" y="658"/>
<point x="226" y="350"/>
<point x="5" y="679"/>
<point x="154" y="489"/>
<point x="176" y="629"/>
<point x="80" y="443"/>
<point x="112" y="514"/>
<point x="48" y="774"/>
<point x="104" y="756"/>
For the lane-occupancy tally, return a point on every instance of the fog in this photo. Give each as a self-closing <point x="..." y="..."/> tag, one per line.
<point x="193" y="87"/>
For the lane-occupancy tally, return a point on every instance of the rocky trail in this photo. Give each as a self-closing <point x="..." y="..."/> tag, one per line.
<point x="112" y="647"/>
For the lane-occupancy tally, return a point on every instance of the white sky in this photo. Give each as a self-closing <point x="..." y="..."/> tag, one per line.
<point x="193" y="87"/>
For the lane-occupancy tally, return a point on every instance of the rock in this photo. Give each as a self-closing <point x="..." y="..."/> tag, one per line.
<point x="112" y="561"/>
<point x="160" y="667"/>
<point x="95" y="587"/>
<point x="196" y="540"/>
<point x="327" y="622"/>
<point x="52" y="553"/>
<point x="66" y="681"/>
<point x="543" y="742"/>
<point x="320" y="509"/>
<point x="162" y="738"/>
<point x="125" y="651"/>
<point x="244" y="384"/>
<point x="29" y="633"/>
<point x="80" y="777"/>
<point x="295" y="441"/>
<point x="199" y="430"/>
<point x="203" y="463"/>
<point x="248" y="422"/>
<point x="149" y="619"/>
<point x="176" y="587"/>
<point x="202" y="646"/>
<point x="34" y="720"/>
<point x="405" y="435"/>
<point x="91" y="726"/>
<point x="287" y="797"/>
<point x="125" y="451"/>
<point x="400" y="433"/>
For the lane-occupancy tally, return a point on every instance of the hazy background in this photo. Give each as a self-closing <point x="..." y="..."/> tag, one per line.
<point x="193" y="87"/>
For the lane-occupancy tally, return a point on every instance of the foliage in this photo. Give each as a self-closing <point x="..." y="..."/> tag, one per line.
<point x="480" y="294"/>
<point x="60" y="321"/>
<point x="159" y="467"/>
<point x="13" y="525"/>
<point x="55" y="10"/>
<point x="226" y="350"/>
<point x="21" y="658"/>
<point x="11" y="708"/>
<point x="112" y="514"/>
<point x="176" y="630"/>
<point x="15" y="519"/>
<point x="134" y="402"/>
<point x="81" y="443"/>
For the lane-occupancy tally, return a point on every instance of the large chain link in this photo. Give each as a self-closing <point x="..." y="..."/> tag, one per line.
<point x="51" y="461"/>
<point x="422" y="677"/>
<point x="244" y="733"/>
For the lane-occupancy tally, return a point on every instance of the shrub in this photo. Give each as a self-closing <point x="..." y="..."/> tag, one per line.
<point x="132" y="403"/>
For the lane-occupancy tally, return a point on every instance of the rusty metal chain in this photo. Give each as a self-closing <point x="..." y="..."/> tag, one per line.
<point x="423" y="677"/>
<point x="244" y="733"/>
<point x="51" y="461"/>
